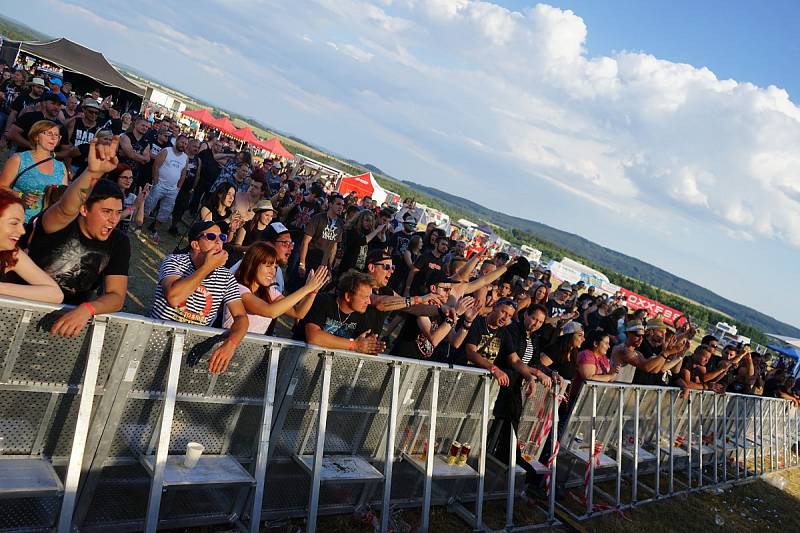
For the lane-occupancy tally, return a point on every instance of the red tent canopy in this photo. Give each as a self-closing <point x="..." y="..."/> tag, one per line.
<point x="361" y="184"/>
<point x="224" y="125"/>
<point x="246" y="135"/>
<point x="274" y="146"/>
<point x="203" y="116"/>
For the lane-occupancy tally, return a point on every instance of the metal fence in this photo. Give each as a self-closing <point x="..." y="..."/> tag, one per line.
<point x="94" y="431"/>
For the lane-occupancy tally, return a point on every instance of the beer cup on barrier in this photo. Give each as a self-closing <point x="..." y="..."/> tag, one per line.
<point x="193" y="452"/>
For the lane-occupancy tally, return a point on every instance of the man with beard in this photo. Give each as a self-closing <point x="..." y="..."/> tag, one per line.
<point x="169" y="173"/>
<point x="135" y="147"/>
<point x="654" y="344"/>
<point x="76" y="242"/>
<point x="558" y="312"/>
<point x="384" y="300"/>
<point x="628" y="358"/>
<point x="9" y="91"/>
<point x="23" y="103"/>
<point x="49" y="106"/>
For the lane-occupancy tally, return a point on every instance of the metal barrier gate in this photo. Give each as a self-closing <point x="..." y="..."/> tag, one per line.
<point x="94" y="429"/>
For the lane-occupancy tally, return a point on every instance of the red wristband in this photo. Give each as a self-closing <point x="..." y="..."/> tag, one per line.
<point x="89" y="308"/>
<point x="352" y="345"/>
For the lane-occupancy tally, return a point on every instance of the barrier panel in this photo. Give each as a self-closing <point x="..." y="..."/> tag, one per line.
<point x="649" y="442"/>
<point x="94" y="431"/>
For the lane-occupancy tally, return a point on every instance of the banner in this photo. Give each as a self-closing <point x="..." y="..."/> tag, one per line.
<point x="637" y="301"/>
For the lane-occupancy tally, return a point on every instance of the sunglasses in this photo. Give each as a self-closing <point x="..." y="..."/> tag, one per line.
<point x="385" y="266"/>
<point x="211" y="236"/>
<point x="635" y="334"/>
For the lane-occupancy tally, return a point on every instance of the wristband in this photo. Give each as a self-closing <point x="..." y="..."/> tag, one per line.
<point x="493" y="369"/>
<point x="408" y="302"/>
<point x="301" y="265"/>
<point x="352" y="345"/>
<point x="89" y="308"/>
<point x="416" y="300"/>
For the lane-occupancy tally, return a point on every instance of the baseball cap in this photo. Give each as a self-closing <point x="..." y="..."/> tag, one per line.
<point x="571" y="327"/>
<point x="53" y="97"/>
<point x="274" y="230"/>
<point x="376" y="256"/>
<point x="200" y="227"/>
<point x="56" y="81"/>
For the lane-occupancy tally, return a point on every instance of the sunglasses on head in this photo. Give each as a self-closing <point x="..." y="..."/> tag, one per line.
<point x="211" y="236"/>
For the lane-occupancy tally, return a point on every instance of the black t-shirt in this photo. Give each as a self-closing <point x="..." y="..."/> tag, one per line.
<point x="299" y="216"/>
<point x="772" y="387"/>
<point x="11" y="91"/>
<point x="398" y="242"/>
<point x="427" y="264"/>
<point x="549" y="332"/>
<point x="22" y="101"/>
<point x="495" y="344"/>
<point x="326" y="314"/>
<point x="26" y="122"/>
<point x="641" y="377"/>
<point x="375" y="317"/>
<point x="77" y="263"/>
<point x="325" y="234"/>
<point x="566" y="368"/>
<point x="411" y="342"/>
<point x="210" y="168"/>
<point x="355" y="250"/>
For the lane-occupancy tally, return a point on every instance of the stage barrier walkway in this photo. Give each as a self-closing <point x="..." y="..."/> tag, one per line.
<point x="93" y="432"/>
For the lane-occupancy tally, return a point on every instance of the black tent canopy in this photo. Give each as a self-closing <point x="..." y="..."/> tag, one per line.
<point x="77" y="58"/>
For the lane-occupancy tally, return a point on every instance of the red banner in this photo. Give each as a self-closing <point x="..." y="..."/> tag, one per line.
<point x="636" y="301"/>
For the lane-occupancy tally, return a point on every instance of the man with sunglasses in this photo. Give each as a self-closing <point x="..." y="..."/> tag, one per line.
<point x="656" y="344"/>
<point x="384" y="300"/>
<point x="193" y="287"/>
<point x="628" y="358"/>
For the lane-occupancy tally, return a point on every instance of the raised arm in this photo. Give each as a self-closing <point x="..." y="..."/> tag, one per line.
<point x="102" y="158"/>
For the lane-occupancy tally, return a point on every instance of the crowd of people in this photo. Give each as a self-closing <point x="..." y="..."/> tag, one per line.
<point x="273" y="241"/>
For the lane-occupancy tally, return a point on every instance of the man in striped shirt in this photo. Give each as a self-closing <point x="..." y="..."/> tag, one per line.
<point x="193" y="287"/>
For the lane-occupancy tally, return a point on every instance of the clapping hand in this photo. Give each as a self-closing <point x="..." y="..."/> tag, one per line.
<point x="318" y="278"/>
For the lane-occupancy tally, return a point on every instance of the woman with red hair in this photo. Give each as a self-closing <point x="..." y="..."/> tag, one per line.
<point x="14" y="263"/>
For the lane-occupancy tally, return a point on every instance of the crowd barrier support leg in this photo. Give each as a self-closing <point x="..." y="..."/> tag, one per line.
<point x="592" y="444"/>
<point x="740" y="439"/>
<point x="659" y="397"/>
<point x="690" y="441"/>
<point x="264" y="438"/>
<point x="700" y="439"/>
<point x="512" y="475"/>
<point x="715" y="439"/>
<point x="319" y="449"/>
<point x="635" y="484"/>
<point x="551" y="504"/>
<point x="82" y="425"/>
<point x="391" y="430"/>
<point x="773" y="415"/>
<point x="165" y="430"/>
<point x="487" y="385"/>
<point x="431" y="451"/>
<point x="671" y="486"/>
<point x="620" y="444"/>
<point x="761" y="434"/>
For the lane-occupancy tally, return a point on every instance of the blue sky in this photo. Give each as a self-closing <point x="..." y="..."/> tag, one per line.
<point x="663" y="130"/>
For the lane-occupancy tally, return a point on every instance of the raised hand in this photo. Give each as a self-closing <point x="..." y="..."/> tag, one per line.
<point x="318" y="278"/>
<point x="368" y="343"/>
<point x="102" y="156"/>
<point x="216" y="259"/>
<point x="464" y="304"/>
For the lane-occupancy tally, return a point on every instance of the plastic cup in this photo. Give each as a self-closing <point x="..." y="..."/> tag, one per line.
<point x="193" y="452"/>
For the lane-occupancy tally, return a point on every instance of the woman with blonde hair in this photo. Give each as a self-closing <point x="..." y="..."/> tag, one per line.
<point x="260" y="295"/>
<point x="30" y="173"/>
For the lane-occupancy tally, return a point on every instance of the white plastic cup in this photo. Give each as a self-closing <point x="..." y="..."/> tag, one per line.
<point x="193" y="452"/>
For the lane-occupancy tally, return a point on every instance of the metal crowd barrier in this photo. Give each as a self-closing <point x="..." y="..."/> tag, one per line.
<point x="660" y="442"/>
<point x="95" y="429"/>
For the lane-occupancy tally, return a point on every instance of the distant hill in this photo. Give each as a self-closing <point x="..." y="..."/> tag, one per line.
<point x="17" y="31"/>
<point x="619" y="262"/>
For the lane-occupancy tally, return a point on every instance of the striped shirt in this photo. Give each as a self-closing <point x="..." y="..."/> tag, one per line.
<point x="201" y="308"/>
